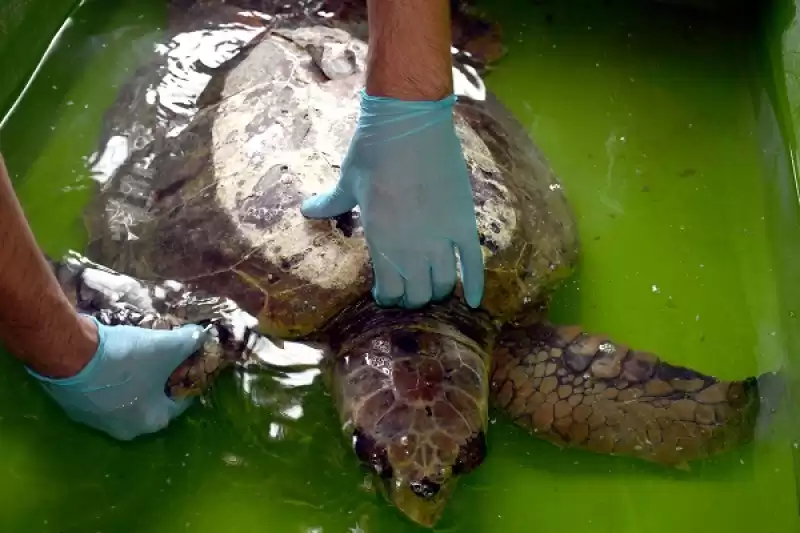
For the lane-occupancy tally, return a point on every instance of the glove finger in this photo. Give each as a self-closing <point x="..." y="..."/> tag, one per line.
<point x="329" y="204"/>
<point x="471" y="256"/>
<point x="443" y="271"/>
<point x="418" y="288"/>
<point x="173" y="347"/>
<point x="388" y="287"/>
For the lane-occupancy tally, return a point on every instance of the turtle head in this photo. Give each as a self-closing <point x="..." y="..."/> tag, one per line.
<point x="414" y="400"/>
<point x="420" y="483"/>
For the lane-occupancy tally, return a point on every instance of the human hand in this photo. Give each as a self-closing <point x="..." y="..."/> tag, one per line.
<point x="121" y="390"/>
<point x="405" y="170"/>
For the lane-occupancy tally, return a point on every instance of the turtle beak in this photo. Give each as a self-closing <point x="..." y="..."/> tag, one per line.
<point x="422" y="502"/>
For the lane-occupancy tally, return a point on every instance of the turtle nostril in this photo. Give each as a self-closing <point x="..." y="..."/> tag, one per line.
<point x="425" y="488"/>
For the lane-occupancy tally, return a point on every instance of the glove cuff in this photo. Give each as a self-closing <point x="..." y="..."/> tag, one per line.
<point x="85" y="371"/>
<point x="385" y="119"/>
<point x="384" y="105"/>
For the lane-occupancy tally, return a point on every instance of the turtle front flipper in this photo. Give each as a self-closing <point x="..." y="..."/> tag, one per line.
<point x="115" y="299"/>
<point x="586" y="391"/>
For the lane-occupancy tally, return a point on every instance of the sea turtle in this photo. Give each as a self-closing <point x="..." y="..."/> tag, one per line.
<point x="202" y="207"/>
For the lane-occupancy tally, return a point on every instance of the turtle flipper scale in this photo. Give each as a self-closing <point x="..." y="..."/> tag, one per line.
<point x="585" y="391"/>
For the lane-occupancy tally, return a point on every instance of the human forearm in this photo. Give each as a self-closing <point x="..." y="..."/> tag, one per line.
<point x="409" y="49"/>
<point x="37" y="323"/>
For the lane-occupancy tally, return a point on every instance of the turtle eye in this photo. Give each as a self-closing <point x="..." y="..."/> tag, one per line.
<point x="471" y="454"/>
<point x="371" y="454"/>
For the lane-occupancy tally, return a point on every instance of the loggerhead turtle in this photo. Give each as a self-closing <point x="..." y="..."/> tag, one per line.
<point x="201" y="212"/>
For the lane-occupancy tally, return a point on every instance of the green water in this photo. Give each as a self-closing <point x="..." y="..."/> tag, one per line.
<point x="648" y="115"/>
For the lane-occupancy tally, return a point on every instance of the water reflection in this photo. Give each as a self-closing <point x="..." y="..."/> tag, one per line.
<point x="189" y="58"/>
<point x="166" y="96"/>
<point x="289" y="354"/>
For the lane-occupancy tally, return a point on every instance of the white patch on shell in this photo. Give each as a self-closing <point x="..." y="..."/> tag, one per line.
<point x="299" y="168"/>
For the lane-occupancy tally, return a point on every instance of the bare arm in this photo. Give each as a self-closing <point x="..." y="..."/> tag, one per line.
<point x="409" y="49"/>
<point x="37" y="323"/>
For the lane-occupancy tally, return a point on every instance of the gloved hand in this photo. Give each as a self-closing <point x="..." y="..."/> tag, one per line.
<point x="406" y="170"/>
<point x="121" y="390"/>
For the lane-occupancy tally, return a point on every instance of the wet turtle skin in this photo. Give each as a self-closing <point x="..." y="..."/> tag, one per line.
<point x="207" y="199"/>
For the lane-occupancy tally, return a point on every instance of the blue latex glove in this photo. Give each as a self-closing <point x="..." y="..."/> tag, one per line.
<point x="405" y="170"/>
<point x="121" y="390"/>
